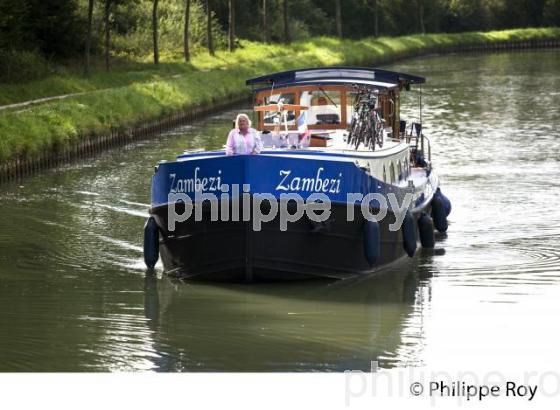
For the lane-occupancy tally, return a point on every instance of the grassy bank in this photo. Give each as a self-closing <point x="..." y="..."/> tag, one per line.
<point x="142" y="92"/>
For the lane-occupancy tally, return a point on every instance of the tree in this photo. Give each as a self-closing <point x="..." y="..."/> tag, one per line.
<point x="55" y="27"/>
<point x="551" y="12"/>
<point x="375" y="18"/>
<point x="107" y="33"/>
<point x="88" y="37"/>
<point x="469" y="15"/>
<point x="421" y="16"/>
<point x="155" y="31"/>
<point x="231" y="25"/>
<point x="536" y="12"/>
<point x="209" y="26"/>
<point x="286" y="23"/>
<point x="14" y="18"/>
<point x="186" y="32"/>
<point x="264" y="22"/>
<point x="338" y="13"/>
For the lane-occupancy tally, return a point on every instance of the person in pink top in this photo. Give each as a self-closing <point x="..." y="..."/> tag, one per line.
<point x="243" y="139"/>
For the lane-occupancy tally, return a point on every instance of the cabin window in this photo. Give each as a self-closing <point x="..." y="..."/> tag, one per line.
<point x="287" y="98"/>
<point x="384" y="174"/>
<point x="392" y="173"/>
<point x="324" y="106"/>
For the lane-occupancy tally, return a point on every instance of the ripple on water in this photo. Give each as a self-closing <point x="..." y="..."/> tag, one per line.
<point x="75" y="296"/>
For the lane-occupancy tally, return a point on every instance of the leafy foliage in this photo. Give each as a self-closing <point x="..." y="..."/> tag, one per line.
<point x="133" y="19"/>
<point x="57" y="28"/>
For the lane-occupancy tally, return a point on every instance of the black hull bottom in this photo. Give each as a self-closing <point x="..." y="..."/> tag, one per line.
<point x="233" y="251"/>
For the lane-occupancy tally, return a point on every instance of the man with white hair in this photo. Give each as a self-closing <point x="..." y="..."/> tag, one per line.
<point x="243" y="139"/>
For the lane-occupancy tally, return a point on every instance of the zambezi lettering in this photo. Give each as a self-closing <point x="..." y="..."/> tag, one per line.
<point x="206" y="184"/>
<point x="289" y="182"/>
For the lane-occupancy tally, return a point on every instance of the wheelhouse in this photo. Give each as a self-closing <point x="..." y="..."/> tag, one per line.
<point x="329" y="95"/>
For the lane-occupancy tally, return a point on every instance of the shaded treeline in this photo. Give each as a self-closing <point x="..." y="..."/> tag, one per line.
<point x="34" y="33"/>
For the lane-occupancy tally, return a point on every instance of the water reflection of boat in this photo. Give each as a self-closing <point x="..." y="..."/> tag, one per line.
<point x="330" y="326"/>
<point x="330" y="135"/>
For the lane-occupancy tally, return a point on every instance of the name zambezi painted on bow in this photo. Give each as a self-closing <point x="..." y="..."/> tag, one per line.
<point x="196" y="184"/>
<point x="290" y="182"/>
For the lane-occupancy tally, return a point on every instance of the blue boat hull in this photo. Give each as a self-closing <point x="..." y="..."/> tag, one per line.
<point x="233" y="250"/>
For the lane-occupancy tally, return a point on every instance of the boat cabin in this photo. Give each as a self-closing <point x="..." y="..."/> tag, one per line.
<point x="323" y="101"/>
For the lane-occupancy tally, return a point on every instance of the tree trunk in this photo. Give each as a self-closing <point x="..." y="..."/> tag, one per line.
<point x="286" y="23"/>
<point x="186" y="33"/>
<point x="375" y="18"/>
<point x="264" y="22"/>
<point x="338" y="12"/>
<point x="107" y="34"/>
<point x="155" y="32"/>
<point x="209" y="27"/>
<point x="88" y="38"/>
<point x="421" y="16"/>
<point x="231" y="25"/>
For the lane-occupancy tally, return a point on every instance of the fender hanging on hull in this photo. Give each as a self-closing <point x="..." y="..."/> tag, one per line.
<point x="426" y="231"/>
<point x="151" y="243"/>
<point x="371" y="241"/>
<point x="409" y="235"/>
<point x="445" y="200"/>
<point x="438" y="214"/>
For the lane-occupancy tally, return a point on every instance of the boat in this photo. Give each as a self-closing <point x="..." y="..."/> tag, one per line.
<point x="342" y="185"/>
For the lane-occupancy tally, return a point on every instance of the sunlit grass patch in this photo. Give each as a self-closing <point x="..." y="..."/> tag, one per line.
<point x="137" y="91"/>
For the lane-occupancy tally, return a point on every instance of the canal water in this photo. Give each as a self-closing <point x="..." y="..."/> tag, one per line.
<point x="75" y="296"/>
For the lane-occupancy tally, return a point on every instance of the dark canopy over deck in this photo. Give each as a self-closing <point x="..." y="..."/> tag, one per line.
<point x="374" y="77"/>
